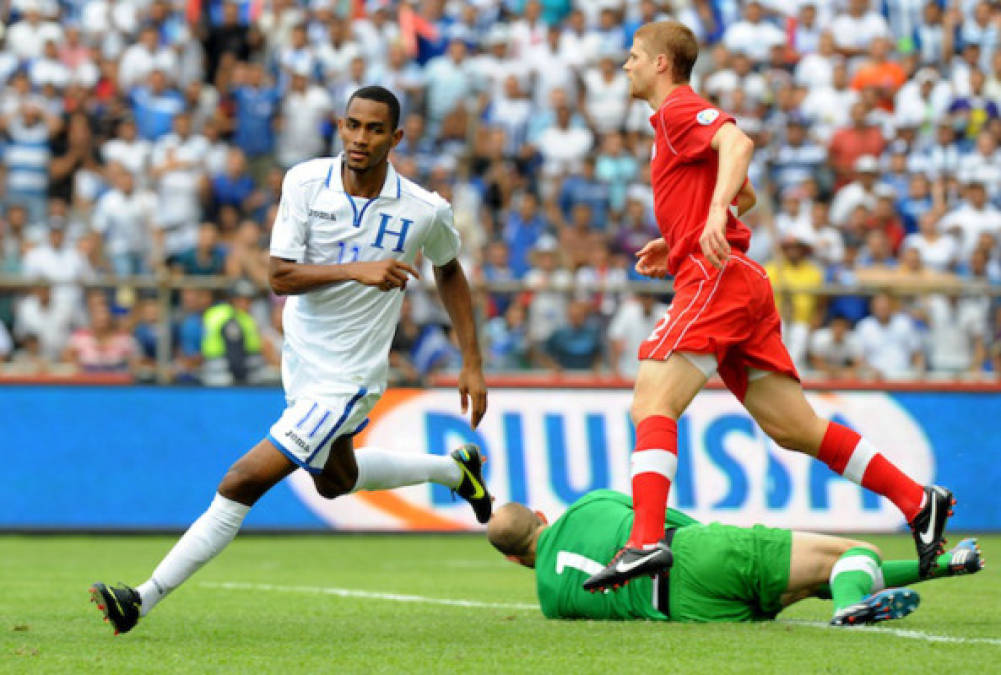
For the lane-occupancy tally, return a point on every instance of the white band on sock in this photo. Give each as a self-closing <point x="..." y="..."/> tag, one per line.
<point x="858" y="563"/>
<point x="663" y="462"/>
<point x="857" y="463"/>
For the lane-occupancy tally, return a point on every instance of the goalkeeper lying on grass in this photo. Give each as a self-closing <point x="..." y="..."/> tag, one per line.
<point x="720" y="572"/>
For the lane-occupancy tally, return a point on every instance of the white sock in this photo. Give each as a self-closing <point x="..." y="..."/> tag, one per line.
<point x="206" y="537"/>
<point x="380" y="469"/>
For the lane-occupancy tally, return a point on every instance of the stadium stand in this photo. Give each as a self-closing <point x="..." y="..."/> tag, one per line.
<point x="143" y="145"/>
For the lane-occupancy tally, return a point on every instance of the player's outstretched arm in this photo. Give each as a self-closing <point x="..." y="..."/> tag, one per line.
<point x="288" y="277"/>
<point x="454" y="291"/>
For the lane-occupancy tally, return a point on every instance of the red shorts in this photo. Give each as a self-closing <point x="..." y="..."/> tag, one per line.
<point x="729" y="313"/>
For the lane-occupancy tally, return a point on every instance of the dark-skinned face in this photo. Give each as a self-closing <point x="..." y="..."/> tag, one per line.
<point x="367" y="134"/>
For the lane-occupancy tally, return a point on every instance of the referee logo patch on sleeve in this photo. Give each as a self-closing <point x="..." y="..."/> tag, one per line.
<point x="707" y="116"/>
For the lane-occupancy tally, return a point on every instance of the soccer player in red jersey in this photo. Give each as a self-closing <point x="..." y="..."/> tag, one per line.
<point x="723" y="317"/>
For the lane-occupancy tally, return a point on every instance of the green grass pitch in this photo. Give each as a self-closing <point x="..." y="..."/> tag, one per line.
<point x="259" y="608"/>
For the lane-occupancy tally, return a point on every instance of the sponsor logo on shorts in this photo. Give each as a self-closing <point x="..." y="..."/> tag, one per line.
<point x="707" y="116"/>
<point x="298" y="441"/>
<point x="326" y="215"/>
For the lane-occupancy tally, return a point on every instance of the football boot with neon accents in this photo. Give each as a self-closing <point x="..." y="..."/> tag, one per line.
<point x="473" y="488"/>
<point x="119" y="604"/>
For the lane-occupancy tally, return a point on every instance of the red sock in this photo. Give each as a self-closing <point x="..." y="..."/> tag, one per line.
<point x="851" y="456"/>
<point x="654" y="461"/>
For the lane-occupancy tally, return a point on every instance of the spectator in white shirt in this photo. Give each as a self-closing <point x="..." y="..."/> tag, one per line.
<point x="793" y="217"/>
<point x="980" y="28"/>
<point x="529" y="32"/>
<point x="924" y="98"/>
<point x="741" y="76"/>
<point x="376" y="33"/>
<point x="975" y="217"/>
<point x="27" y="37"/>
<point x="938" y="251"/>
<point x="753" y="35"/>
<point x="929" y="33"/>
<point x="828" y="107"/>
<point x="612" y="37"/>
<point x="278" y="21"/>
<point x="122" y="217"/>
<point x="562" y="145"/>
<point x="580" y="46"/>
<point x="890" y="342"/>
<point x="835" y="350"/>
<point x="828" y="243"/>
<point x="807" y="36"/>
<point x="606" y="94"/>
<point x="450" y="82"/>
<point x="298" y="56"/>
<point x="856" y="28"/>
<point x="139" y="59"/>
<point x="816" y="69"/>
<point x="336" y="53"/>
<point x="549" y="284"/>
<point x="60" y="263"/>
<point x="496" y="65"/>
<point x="403" y="77"/>
<point x="305" y="109"/>
<point x="984" y="162"/>
<point x="550" y="68"/>
<point x="860" y="192"/>
<point x="179" y="168"/>
<point x="511" y="112"/>
<point x="38" y="317"/>
<point x="48" y="69"/>
<point x="632" y="324"/>
<point x="957" y="331"/>
<point x="110" y="21"/>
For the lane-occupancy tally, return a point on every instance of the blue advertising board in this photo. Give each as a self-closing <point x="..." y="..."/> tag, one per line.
<point x="150" y="458"/>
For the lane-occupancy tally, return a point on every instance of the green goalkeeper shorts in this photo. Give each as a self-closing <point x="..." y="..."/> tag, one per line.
<point x="727" y="573"/>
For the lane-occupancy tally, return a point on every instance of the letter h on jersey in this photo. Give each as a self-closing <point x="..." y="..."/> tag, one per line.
<point x="401" y="234"/>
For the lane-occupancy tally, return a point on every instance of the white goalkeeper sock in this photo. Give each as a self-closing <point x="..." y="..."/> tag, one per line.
<point x="380" y="469"/>
<point x="206" y="537"/>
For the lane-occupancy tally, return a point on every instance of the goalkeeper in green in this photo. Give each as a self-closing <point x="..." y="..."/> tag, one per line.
<point x="720" y="572"/>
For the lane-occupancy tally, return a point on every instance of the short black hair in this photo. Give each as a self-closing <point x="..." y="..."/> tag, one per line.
<point x="382" y="95"/>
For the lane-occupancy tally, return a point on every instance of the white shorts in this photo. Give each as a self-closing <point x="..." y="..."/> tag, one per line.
<point x="706" y="363"/>
<point x="307" y="429"/>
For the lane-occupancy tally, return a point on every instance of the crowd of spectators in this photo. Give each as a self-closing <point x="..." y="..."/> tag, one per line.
<point x="150" y="137"/>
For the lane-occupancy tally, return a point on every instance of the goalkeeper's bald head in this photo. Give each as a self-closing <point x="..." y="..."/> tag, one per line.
<point x="514" y="530"/>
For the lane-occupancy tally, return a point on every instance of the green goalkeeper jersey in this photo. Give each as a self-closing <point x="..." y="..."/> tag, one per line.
<point x="580" y="543"/>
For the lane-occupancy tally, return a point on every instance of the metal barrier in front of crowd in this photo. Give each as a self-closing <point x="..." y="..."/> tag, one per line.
<point x="164" y="287"/>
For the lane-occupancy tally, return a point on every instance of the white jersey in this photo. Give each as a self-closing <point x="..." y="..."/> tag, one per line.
<point x="337" y="338"/>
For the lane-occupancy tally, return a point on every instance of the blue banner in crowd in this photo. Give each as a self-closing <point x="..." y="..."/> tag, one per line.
<point x="150" y="458"/>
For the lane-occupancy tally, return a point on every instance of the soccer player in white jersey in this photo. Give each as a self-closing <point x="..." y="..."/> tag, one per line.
<point x="343" y="247"/>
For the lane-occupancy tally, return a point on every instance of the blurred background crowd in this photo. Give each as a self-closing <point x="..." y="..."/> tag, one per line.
<point x="147" y="139"/>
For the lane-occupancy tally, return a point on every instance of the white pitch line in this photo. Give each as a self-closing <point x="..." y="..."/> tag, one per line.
<point x="897" y="632"/>
<point x="422" y="599"/>
<point x="371" y="595"/>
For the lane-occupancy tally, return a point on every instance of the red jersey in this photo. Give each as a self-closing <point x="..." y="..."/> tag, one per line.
<point x="683" y="171"/>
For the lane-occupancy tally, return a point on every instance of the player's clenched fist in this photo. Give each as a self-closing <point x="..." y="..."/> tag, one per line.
<point x="383" y="274"/>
